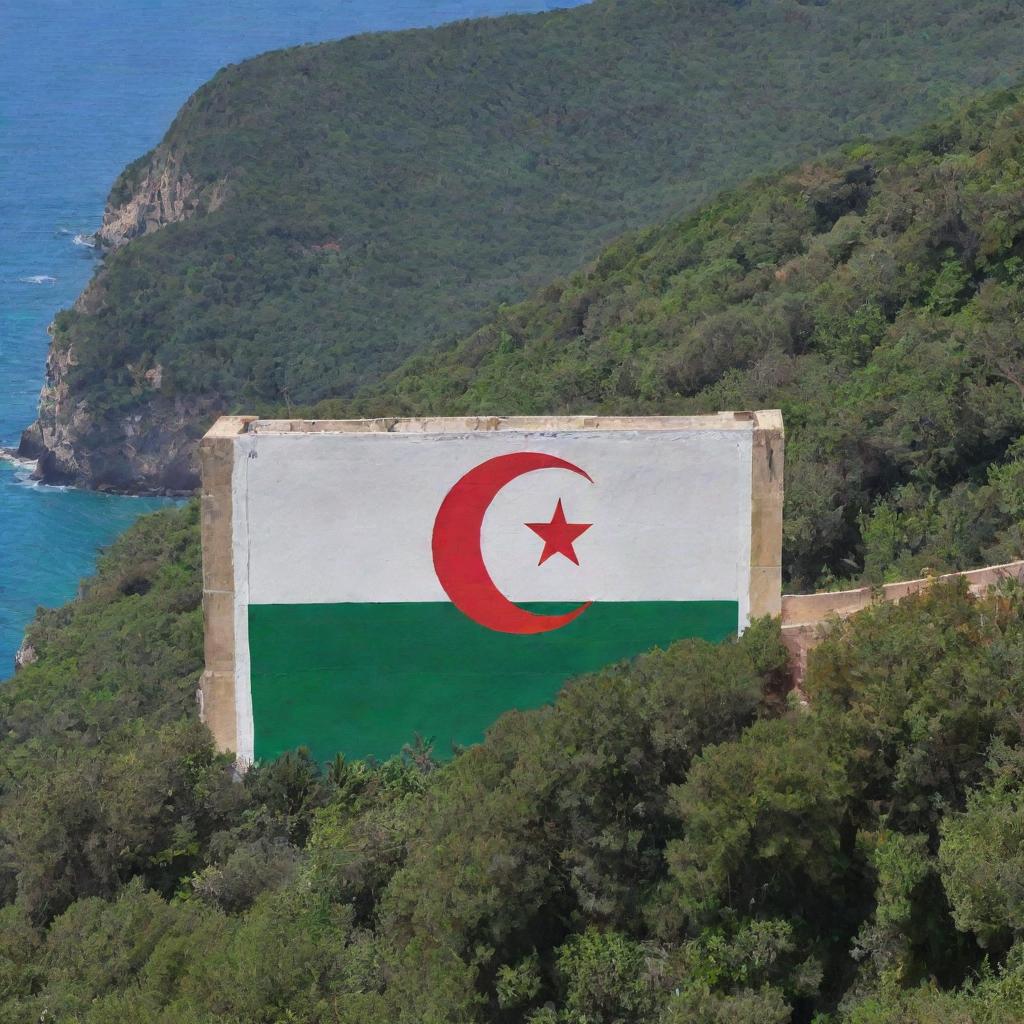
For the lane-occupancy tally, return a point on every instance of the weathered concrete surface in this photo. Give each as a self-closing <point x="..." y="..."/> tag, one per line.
<point x="805" y="617"/>
<point x="766" y="514"/>
<point x="769" y="420"/>
<point x="217" y="687"/>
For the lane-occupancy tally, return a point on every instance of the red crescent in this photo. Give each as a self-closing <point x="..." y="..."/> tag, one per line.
<point x="458" y="560"/>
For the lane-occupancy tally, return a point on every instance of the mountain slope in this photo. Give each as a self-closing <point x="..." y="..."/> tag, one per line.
<point x="876" y="295"/>
<point x="662" y="845"/>
<point x="666" y="843"/>
<point x="315" y="215"/>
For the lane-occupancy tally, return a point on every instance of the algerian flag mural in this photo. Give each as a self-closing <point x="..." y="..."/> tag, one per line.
<point x="424" y="581"/>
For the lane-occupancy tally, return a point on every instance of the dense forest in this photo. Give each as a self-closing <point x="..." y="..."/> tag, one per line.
<point x="670" y="842"/>
<point x="675" y="840"/>
<point x="359" y="201"/>
<point x="875" y="295"/>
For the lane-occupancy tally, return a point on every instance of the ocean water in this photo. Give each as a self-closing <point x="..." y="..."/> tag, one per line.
<point x="84" y="89"/>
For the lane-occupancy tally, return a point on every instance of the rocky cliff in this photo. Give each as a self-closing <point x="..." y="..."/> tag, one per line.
<point x="151" y="193"/>
<point x="150" y="450"/>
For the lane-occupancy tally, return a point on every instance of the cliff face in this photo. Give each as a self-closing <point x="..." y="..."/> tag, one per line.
<point x="150" y="450"/>
<point x="148" y="197"/>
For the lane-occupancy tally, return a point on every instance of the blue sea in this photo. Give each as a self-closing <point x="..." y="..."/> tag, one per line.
<point x="84" y="89"/>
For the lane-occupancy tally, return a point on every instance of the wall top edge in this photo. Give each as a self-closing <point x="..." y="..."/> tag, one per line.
<point x="228" y="426"/>
<point x="743" y="421"/>
<point x="807" y="609"/>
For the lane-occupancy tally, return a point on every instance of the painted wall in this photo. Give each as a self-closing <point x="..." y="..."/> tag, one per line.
<point x="425" y="578"/>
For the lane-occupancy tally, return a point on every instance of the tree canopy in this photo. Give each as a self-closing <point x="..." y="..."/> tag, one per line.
<point x="669" y="841"/>
<point x="364" y="200"/>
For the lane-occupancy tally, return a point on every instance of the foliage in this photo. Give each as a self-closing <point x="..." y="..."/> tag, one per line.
<point x="982" y="854"/>
<point x="364" y="200"/>
<point x="106" y="774"/>
<point x="919" y="706"/>
<point x="760" y="1006"/>
<point x="665" y="843"/>
<point x="995" y="997"/>
<point x="875" y="295"/>
<point x="604" y="975"/>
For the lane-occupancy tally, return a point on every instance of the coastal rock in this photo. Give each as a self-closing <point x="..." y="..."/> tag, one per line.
<point x="147" y="451"/>
<point x="31" y="445"/>
<point x="163" y="193"/>
<point x="25" y="655"/>
<point x="151" y="450"/>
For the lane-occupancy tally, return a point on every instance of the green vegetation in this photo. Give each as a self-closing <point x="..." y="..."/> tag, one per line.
<point x="875" y="295"/>
<point x="669" y="842"/>
<point x="376" y="196"/>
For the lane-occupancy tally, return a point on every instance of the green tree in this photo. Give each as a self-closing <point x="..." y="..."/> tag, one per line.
<point x="981" y="855"/>
<point x="762" y="822"/>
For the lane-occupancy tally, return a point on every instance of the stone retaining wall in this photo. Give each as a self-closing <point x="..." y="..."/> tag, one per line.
<point x="805" y="615"/>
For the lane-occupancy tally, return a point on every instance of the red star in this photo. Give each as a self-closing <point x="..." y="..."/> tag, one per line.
<point x="558" y="535"/>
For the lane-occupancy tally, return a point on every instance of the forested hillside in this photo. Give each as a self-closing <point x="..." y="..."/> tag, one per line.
<point x="668" y="843"/>
<point x="331" y="209"/>
<point x="672" y="841"/>
<point x="875" y="295"/>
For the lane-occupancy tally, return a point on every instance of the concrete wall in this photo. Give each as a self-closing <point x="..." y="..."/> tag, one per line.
<point x="805" y="616"/>
<point x="266" y="495"/>
<point x="217" y="687"/>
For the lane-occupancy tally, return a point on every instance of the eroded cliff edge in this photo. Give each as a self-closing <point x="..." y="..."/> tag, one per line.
<point x="151" y="193"/>
<point x="150" y="448"/>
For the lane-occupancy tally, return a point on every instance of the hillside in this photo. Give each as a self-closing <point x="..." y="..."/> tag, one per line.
<point x="316" y="215"/>
<point x="876" y="295"/>
<point x="668" y="842"/>
<point x="663" y="845"/>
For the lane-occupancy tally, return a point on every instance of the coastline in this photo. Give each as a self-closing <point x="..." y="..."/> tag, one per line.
<point x="11" y="455"/>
